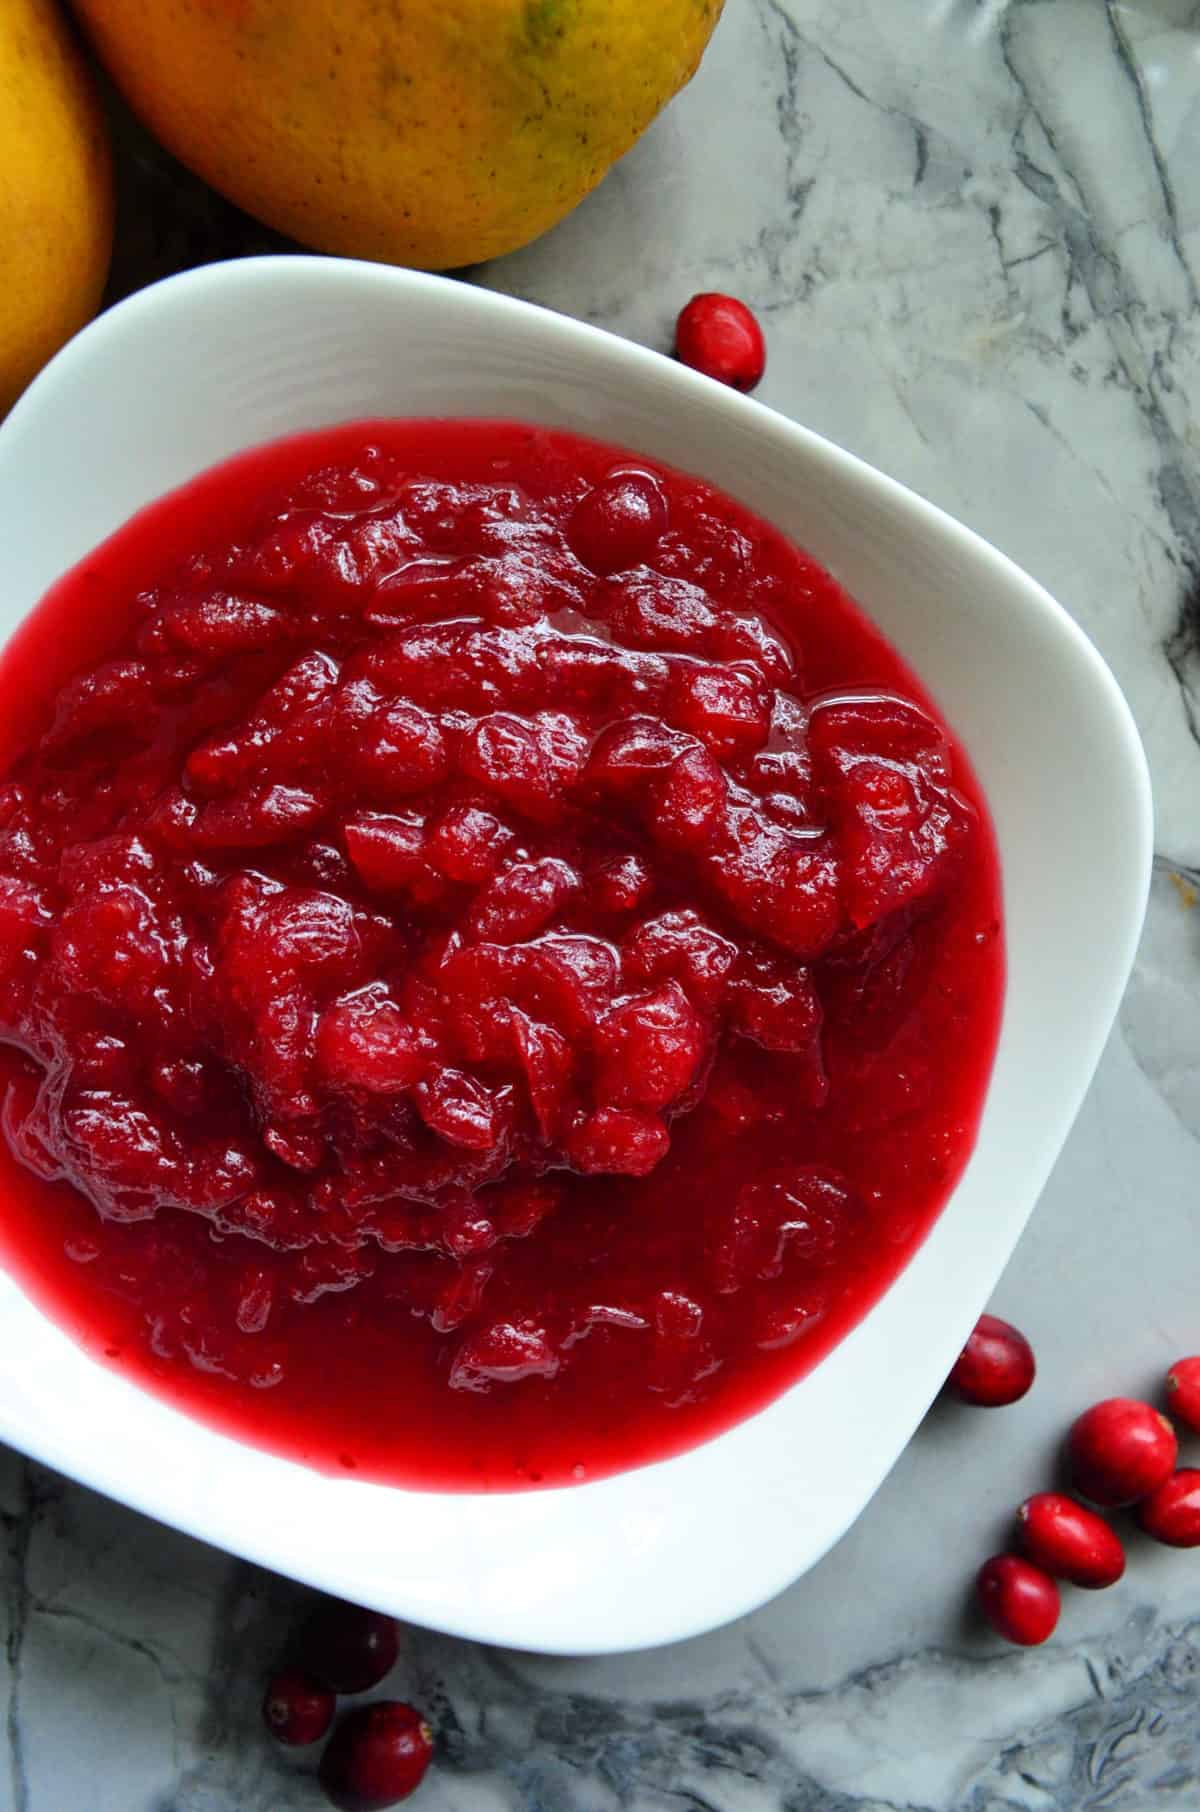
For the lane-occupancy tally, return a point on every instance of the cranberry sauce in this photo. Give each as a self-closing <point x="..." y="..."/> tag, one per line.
<point x="499" y="962"/>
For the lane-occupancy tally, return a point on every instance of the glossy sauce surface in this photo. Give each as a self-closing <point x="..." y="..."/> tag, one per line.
<point x="499" y="962"/>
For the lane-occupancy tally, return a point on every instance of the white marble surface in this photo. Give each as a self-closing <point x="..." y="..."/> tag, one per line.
<point x="972" y="229"/>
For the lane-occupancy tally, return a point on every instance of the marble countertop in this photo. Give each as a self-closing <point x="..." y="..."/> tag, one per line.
<point x="972" y="230"/>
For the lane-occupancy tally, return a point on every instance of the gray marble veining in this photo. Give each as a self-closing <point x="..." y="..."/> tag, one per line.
<point x="972" y="229"/>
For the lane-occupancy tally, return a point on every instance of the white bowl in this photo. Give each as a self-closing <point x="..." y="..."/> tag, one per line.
<point x="196" y="368"/>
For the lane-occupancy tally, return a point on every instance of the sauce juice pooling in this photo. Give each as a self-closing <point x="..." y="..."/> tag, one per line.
<point x="499" y="962"/>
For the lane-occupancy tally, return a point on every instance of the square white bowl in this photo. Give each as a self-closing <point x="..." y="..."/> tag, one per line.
<point x="204" y="365"/>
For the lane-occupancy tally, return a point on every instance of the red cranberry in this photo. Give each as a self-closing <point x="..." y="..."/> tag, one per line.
<point x="1070" y="1541"/>
<point x="1171" y="1513"/>
<point x="619" y="522"/>
<point x="376" y="1757"/>
<point x="619" y="1142"/>
<point x="691" y="802"/>
<point x="1119" y="1450"/>
<point x="296" y="1708"/>
<point x="1019" y="1600"/>
<point x="649" y="1050"/>
<point x="348" y="1648"/>
<point x="620" y="884"/>
<point x="995" y="1367"/>
<point x="718" y="335"/>
<point x="1183" y="1392"/>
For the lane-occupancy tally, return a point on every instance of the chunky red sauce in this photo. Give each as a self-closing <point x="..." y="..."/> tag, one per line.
<point x="499" y="962"/>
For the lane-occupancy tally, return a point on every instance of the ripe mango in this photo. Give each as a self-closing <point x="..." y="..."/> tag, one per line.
<point x="434" y="133"/>
<point x="56" y="202"/>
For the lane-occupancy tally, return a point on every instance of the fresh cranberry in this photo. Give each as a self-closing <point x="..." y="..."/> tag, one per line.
<point x="1183" y="1392"/>
<point x="1069" y="1540"/>
<point x="1019" y="1600"/>
<point x="1171" y="1513"/>
<point x="297" y="1709"/>
<point x="377" y="1756"/>
<point x="1120" y="1450"/>
<point x="348" y="1648"/>
<point x="718" y="335"/>
<point x="995" y="1367"/>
